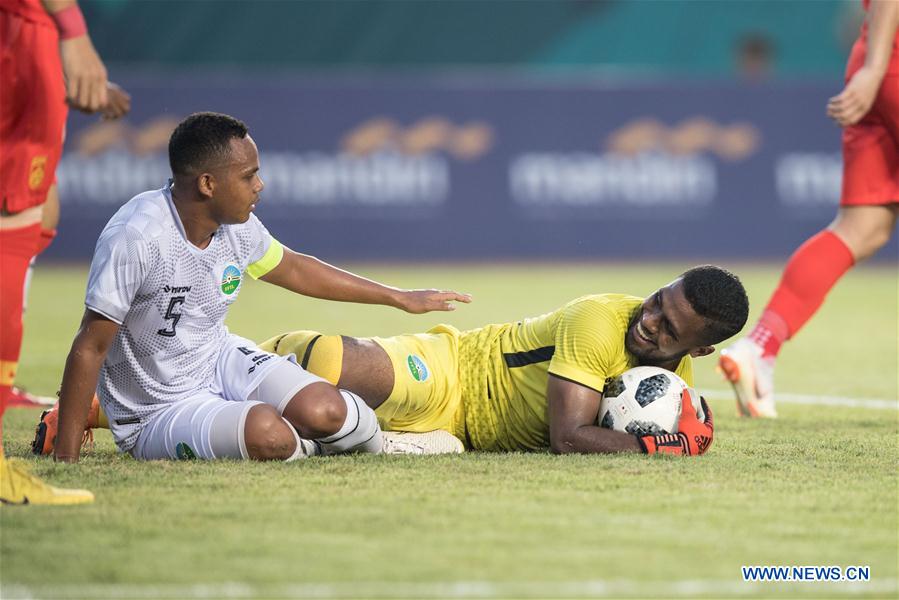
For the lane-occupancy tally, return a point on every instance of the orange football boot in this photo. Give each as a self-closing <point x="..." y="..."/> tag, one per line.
<point x="45" y="433"/>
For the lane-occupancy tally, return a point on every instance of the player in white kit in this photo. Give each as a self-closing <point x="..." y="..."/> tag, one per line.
<point x="172" y="380"/>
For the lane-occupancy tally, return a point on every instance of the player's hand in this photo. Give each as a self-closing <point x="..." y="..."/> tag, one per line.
<point x="85" y="74"/>
<point x="118" y="104"/>
<point x="693" y="436"/>
<point x="422" y="301"/>
<point x="849" y="106"/>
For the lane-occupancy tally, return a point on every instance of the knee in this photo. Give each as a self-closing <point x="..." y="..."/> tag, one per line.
<point x="878" y="238"/>
<point x="317" y="411"/>
<point x="864" y="233"/>
<point x="865" y="243"/>
<point x="267" y="435"/>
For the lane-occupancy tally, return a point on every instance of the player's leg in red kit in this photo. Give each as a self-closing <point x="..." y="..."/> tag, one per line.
<point x="864" y="224"/>
<point x="17" y="485"/>
<point x="32" y="117"/>
<point x="17" y="247"/>
<point x="20" y="396"/>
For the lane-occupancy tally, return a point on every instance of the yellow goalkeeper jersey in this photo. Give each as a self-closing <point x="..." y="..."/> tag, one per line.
<point x="504" y="369"/>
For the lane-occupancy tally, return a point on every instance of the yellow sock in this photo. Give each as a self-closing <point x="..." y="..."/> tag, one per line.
<point x="317" y="353"/>
<point x="324" y="357"/>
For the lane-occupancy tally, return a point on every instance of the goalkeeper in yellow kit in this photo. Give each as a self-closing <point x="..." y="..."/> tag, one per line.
<point x="537" y="382"/>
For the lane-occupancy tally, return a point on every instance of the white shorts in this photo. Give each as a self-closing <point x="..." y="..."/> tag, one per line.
<point x="210" y="423"/>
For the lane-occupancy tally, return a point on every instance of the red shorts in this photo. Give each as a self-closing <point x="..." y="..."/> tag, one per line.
<point x="871" y="151"/>
<point x="32" y="111"/>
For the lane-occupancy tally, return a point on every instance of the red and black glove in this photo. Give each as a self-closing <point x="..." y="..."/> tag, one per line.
<point x="693" y="436"/>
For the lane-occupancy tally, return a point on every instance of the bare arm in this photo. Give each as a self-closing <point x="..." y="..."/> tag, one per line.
<point x="883" y="18"/>
<point x="309" y="276"/>
<point x="79" y="381"/>
<point x="854" y="102"/>
<point x="85" y="73"/>
<point x="572" y="421"/>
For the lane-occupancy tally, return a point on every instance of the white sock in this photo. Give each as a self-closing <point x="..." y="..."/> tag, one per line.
<point x="305" y="448"/>
<point x="359" y="433"/>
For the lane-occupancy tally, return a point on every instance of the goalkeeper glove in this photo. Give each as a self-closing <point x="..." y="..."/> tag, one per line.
<point x="693" y="436"/>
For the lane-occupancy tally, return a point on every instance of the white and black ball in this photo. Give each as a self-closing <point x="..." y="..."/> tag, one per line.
<point x="643" y="401"/>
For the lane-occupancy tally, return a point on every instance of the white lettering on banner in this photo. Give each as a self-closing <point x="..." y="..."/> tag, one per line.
<point x="109" y="178"/>
<point x="382" y="179"/>
<point x="809" y="179"/>
<point x="582" y="179"/>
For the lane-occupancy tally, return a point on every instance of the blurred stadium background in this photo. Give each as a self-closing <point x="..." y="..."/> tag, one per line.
<point x="603" y="146"/>
<point x="591" y="129"/>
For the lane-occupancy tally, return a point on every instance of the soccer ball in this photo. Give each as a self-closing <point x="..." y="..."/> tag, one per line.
<point x="643" y="401"/>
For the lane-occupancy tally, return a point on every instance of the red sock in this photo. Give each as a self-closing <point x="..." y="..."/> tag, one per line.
<point x="811" y="272"/>
<point x="770" y="333"/>
<point x="17" y="247"/>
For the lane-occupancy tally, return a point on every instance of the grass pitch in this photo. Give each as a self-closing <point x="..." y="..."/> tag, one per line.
<point x="816" y="487"/>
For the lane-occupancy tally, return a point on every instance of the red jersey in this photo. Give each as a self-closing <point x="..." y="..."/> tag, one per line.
<point x="32" y="104"/>
<point x="860" y="48"/>
<point x="32" y="10"/>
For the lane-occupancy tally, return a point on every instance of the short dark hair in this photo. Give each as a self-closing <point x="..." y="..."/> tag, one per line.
<point x="202" y="139"/>
<point x="719" y="296"/>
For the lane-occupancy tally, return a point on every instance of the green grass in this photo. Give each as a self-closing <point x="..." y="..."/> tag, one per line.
<point x="816" y="487"/>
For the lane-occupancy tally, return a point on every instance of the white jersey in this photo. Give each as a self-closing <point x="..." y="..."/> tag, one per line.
<point x="170" y="299"/>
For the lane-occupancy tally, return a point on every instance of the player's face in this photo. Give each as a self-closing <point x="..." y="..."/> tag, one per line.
<point x="238" y="183"/>
<point x="666" y="328"/>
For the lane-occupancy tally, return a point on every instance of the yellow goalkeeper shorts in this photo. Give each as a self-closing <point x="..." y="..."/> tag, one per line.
<point x="426" y="392"/>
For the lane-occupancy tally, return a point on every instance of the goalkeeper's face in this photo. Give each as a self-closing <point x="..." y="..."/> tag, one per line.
<point x="666" y="328"/>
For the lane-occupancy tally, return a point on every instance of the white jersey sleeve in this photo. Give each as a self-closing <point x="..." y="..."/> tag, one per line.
<point x="122" y="259"/>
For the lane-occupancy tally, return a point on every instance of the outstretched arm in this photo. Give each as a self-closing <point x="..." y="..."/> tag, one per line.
<point x="79" y="381"/>
<point x="572" y="421"/>
<point x="309" y="276"/>
<point x="849" y="106"/>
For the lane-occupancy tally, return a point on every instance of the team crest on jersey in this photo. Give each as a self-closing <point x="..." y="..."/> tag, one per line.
<point x="230" y="280"/>
<point x="37" y="172"/>
<point x="417" y="367"/>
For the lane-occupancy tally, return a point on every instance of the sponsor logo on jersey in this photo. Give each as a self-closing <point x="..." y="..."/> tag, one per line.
<point x="176" y="289"/>
<point x="230" y="280"/>
<point x="417" y="367"/>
